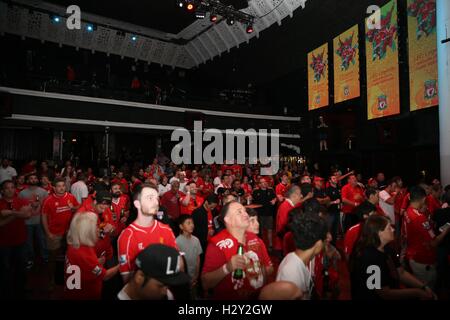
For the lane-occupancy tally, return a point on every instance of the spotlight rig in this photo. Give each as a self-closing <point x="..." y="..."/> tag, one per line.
<point x="217" y="8"/>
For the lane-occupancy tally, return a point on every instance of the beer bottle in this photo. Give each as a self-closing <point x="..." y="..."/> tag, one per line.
<point x="239" y="273"/>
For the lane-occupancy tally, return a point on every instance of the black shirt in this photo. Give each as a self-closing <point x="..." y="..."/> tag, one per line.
<point x="388" y="263"/>
<point x="264" y="197"/>
<point x="334" y="193"/>
<point x="441" y="217"/>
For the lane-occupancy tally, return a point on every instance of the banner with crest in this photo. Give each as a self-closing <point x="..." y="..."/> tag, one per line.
<point x="383" y="97"/>
<point x="422" y="50"/>
<point x="318" y="78"/>
<point x="346" y="65"/>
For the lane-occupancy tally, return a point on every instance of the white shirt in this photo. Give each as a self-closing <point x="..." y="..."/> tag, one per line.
<point x="387" y="208"/>
<point x="7" y="173"/>
<point x="217" y="181"/>
<point x="163" y="189"/>
<point x="79" y="190"/>
<point x="293" y="269"/>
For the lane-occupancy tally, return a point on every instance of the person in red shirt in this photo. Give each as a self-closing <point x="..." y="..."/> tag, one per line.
<point x="91" y="178"/>
<point x="46" y="185"/>
<point x="237" y="170"/>
<point x="171" y="201"/>
<point x="29" y="168"/>
<point x="363" y="211"/>
<point x="282" y="188"/>
<point x="433" y="200"/>
<point x="144" y="231"/>
<point x="13" y="236"/>
<point x="20" y="184"/>
<point x="121" y="181"/>
<point x="191" y="200"/>
<point x="246" y="186"/>
<point x="421" y="241"/>
<point x="199" y="183"/>
<point x="84" y="272"/>
<point x="120" y="208"/>
<point x="222" y="258"/>
<point x="57" y="211"/>
<point x="352" y="196"/>
<point x="294" y="198"/>
<point x="135" y="182"/>
<point x="101" y="207"/>
<point x="208" y="187"/>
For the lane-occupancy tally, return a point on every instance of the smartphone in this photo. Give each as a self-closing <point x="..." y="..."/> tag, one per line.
<point x="444" y="227"/>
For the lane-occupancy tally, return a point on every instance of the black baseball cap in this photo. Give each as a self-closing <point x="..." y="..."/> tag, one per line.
<point x="103" y="196"/>
<point x="162" y="263"/>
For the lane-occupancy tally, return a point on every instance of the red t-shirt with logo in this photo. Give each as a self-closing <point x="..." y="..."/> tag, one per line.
<point x="120" y="208"/>
<point x="58" y="212"/>
<point x="170" y="201"/>
<point x="91" y="272"/>
<point x="351" y="236"/>
<point x="419" y="234"/>
<point x="135" y="238"/>
<point x="350" y="193"/>
<point x="192" y="205"/>
<point x="221" y="248"/>
<point x="208" y="188"/>
<point x="15" y="232"/>
<point x="198" y="182"/>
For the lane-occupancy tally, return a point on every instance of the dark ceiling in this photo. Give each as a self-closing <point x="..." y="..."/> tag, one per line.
<point x="162" y="15"/>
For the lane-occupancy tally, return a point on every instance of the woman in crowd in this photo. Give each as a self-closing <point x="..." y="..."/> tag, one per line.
<point x="84" y="271"/>
<point x="375" y="271"/>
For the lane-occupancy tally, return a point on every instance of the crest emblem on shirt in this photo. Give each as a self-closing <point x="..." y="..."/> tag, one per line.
<point x="226" y="243"/>
<point x="123" y="259"/>
<point x="97" y="270"/>
<point x="141" y="246"/>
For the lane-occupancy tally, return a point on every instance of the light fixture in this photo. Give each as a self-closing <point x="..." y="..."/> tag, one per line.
<point x="213" y="17"/>
<point x="180" y="4"/>
<point x="190" y="6"/>
<point x="249" y="28"/>
<point x="90" y="27"/>
<point x="55" y="19"/>
<point x="133" y="38"/>
<point x="200" y="14"/>
<point x="230" y="21"/>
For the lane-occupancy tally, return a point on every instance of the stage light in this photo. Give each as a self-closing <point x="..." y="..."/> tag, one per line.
<point x="180" y="4"/>
<point x="249" y="28"/>
<point x="190" y="7"/>
<point x="133" y="38"/>
<point x="213" y="17"/>
<point x="230" y="21"/>
<point x="90" y="28"/>
<point x="55" y="19"/>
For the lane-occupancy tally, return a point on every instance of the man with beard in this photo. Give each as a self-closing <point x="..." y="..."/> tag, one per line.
<point x="34" y="196"/>
<point x="145" y="230"/>
<point x="120" y="207"/>
<point x="57" y="212"/>
<point x="191" y="200"/>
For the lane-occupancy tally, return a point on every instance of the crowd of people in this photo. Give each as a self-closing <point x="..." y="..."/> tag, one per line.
<point x="164" y="231"/>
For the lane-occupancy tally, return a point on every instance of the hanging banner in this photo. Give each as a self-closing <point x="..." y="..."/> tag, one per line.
<point x="318" y="78"/>
<point x="346" y="65"/>
<point x="423" y="72"/>
<point x="383" y="97"/>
